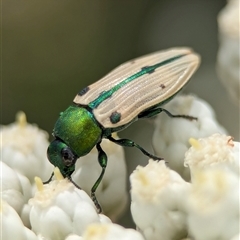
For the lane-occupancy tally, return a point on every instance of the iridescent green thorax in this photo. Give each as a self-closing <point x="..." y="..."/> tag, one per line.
<point x="78" y="128"/>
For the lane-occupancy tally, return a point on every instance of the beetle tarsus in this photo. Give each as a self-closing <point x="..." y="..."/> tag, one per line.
<point x="94" y="199"/>
<point x="70" y="179"/>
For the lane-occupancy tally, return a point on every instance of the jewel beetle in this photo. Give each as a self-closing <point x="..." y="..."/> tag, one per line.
<point x="135" y="90"/>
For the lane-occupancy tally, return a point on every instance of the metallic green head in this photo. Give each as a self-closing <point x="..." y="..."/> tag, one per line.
<point x="76" y="132"/>
<point x="61" y="156"/>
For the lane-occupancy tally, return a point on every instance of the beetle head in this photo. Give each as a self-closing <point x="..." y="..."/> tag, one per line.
<point x="61" y="156"/>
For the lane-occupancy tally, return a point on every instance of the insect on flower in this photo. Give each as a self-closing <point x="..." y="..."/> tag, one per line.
<point x="136" y="89"/>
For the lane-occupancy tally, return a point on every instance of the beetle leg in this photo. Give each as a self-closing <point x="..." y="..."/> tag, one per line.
<point x="102" y="159"/>
<point x="130" y="143"/>
<point x="152" y="112"/>
<point x="70" y="179"/>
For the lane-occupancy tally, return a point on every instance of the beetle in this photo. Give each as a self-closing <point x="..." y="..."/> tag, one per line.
<point x="135" y="90"/>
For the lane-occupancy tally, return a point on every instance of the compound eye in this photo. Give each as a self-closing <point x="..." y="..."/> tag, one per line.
<point x="68" y="157"/>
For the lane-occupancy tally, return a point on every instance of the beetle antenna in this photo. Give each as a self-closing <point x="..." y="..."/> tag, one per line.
<point x="49" y="180"/>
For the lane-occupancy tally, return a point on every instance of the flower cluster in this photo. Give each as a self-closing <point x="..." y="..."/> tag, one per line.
<point x="163" y="201"/>
<point x="163" y="204"/>
<point x="56" y="210"/>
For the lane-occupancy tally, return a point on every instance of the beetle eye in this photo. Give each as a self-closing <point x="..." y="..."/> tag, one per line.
<point x="68" y="157"/>
<point x="65" y="154"/>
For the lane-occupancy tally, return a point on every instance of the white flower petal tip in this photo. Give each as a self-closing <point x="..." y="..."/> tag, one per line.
<point x="216" y="149"/>
<point x="39" y="184"/>
<point x="21" y="119"/>
<point x="158" y="195"/>
<point x="195" y="143"/>
<point x="57" y="174"/>
<point x="110" y="232"/>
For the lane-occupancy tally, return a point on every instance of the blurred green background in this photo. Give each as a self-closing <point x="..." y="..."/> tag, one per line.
<point x="52" y="49"/>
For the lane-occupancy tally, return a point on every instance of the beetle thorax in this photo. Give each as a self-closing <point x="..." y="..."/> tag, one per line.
<point x="78" y="128"/>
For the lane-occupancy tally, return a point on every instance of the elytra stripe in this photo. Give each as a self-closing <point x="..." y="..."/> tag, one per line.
<point x="145" y="70"/>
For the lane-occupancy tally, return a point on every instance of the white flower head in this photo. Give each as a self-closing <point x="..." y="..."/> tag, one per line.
<point x="213" y="204"/>
<point x="24" y="147"/>
<point x="15" y="190"/>
<point x="11" y="188"/>
<point x="214" y="150"/>
<point x="11" y="224"/>
<point x="157" y="195"/>
<point x="110" y="231"/>
<point x="62" y="206"/>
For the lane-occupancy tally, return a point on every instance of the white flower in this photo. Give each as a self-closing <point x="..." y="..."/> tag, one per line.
<point x="214" y="150"/>
<point x="171" y="135"/>
<point x="213" y="204"/>
<point x="228" y="53"/>
<point x="158" y="196"/>
<point x="112" y="191"/>
<point x="15" y="190"/>
<point x="109" y="231"/>
<point x="73" y="237"/>
<point x="24" y="149"/>
<point x="12" y="226"/>
<point x="59" y="209"/>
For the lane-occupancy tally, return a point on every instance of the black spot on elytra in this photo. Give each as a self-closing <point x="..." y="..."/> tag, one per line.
<point x="115" y="117"/>
<point x="148" y="69"/>
<point x="83" y="91"/>
<point x="162" y="86"/>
